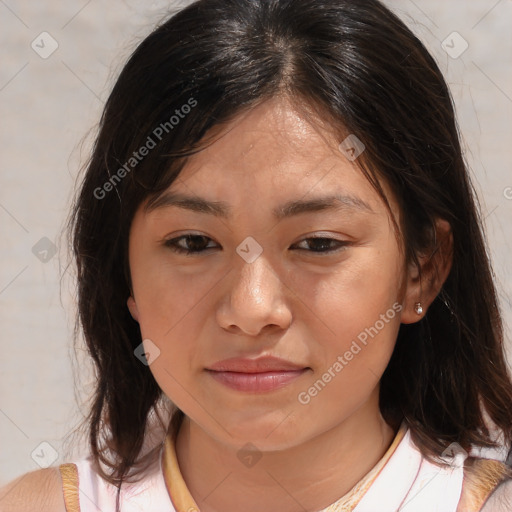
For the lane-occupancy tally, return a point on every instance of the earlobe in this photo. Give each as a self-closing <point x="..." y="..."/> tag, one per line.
<point x="424" y="286"/>
<point x="132" y="306"/>
<point x="413" y="296"/>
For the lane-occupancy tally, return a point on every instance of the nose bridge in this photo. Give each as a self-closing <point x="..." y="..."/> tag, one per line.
<point x="255" y="282"/>
<point x="255" y="297"/>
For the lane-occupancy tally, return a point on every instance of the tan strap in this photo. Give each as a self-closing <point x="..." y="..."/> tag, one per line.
<point x="481" y="477"/>
<point x="178" y="491"/>
<point x="70" y="486"/>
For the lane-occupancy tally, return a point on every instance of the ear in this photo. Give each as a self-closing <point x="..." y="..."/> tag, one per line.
<point x="132" y="306"/>
<point x="435" y="267"/>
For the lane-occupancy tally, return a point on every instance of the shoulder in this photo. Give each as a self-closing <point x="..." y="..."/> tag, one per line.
<point x="38" y="490"/>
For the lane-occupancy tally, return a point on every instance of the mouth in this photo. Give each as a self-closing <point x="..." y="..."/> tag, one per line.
<point x="256" y="382"/>
<point x="256" y="375"/>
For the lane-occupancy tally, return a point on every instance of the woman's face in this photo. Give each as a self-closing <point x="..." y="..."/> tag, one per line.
<point x="295" y="257"/>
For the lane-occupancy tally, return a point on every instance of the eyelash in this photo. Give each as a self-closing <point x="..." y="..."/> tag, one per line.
<point x="173" y="244"/>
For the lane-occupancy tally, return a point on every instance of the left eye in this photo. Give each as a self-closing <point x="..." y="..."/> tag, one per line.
<point x="323" y="244"/>
<point x="194" y="244"/>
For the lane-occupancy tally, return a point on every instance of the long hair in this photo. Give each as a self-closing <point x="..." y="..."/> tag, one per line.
<point x="360" y="68"/>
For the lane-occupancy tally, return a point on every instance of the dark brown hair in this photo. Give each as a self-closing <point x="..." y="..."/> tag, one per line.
<point x="360" y="68"/>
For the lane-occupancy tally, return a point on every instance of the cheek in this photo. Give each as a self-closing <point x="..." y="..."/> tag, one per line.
<point x="353" y="359"/>
<point x="169" y="317"/>
<point x="359" y="308"/>
<point x="167" y="294"/>
<point x="169" y="301"/>
<point x="355" y="295"/>
<point x="169" y="320"/>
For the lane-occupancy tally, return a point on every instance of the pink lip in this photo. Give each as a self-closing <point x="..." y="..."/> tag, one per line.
<point x="261" y="364"/>
<point x="256" y="375"/>
<point x="256" y="382"/>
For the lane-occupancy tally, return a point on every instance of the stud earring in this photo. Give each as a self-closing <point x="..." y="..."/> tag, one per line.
<point x="418" y="308"/>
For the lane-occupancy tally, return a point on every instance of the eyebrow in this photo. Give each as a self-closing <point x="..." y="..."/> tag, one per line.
<point x="336" y="202"/>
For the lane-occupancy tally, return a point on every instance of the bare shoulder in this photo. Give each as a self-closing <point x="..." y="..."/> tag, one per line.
<point x="38" y="490"/>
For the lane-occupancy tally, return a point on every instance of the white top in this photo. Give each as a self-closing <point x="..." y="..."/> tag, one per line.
<point x="406" y="483"/>
<point x="148" y="495"/>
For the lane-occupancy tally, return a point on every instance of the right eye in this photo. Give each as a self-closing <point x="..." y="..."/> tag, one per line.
<point x="189" y="244"/>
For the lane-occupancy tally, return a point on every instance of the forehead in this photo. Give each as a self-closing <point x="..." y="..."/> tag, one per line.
<point x="272" y="154"/>
<point x="273" y="142"/>
<point x="268" y="137"/>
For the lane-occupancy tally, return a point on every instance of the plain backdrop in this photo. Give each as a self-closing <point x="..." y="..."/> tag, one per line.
<point x="50" y="102"/>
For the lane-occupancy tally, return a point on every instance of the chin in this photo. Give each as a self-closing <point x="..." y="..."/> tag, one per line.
<point x="268" y="431"/>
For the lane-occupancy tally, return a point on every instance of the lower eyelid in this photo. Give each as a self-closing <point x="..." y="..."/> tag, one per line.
<point x="326" y="252"/>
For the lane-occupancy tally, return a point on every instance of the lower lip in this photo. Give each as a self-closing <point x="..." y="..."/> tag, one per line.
<point x="256" y="382"/>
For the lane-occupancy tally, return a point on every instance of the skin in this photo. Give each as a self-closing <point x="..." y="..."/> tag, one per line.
<point x="291" y="302"/>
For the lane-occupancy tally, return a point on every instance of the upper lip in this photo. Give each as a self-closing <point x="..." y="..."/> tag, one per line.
<point x="259" y="365"/>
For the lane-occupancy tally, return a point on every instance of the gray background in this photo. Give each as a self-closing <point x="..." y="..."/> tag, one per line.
<point x="47" y="108"/>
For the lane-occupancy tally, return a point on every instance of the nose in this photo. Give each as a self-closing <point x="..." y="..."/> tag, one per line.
<point x="255" y="300"/>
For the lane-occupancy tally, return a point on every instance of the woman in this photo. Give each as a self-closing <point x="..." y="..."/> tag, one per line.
<point x="280" y="264"/>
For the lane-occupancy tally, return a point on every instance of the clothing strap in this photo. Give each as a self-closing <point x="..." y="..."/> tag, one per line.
<point x="70" y="486"/>
<point x="481" y="478"/>
<point x="349" y="502"/>
<point x="176" y="486"/>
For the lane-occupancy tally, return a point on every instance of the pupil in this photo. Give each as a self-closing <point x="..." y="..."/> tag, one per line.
<point x="320" y="244"/>
<point x="195" y="242"/>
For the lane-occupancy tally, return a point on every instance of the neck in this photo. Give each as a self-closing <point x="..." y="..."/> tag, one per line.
<point x="309" y="476"/>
